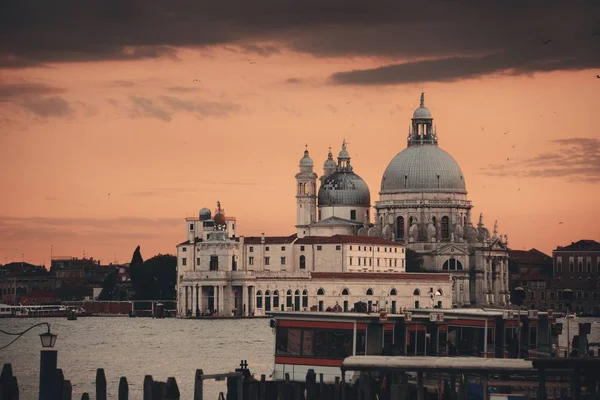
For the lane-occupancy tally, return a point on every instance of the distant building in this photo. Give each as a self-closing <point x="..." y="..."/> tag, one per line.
<point x="17" y="279"/>
<point x="532" y="270"/>
<point x="76" y="277"/>
<point x="577" y="267"/>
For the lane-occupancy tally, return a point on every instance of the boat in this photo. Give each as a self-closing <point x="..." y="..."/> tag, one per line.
<point x="322" y="340"/>
<point x="35" y="311"/>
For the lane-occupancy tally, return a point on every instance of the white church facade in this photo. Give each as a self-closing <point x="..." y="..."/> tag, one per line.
<point x="338" y="257"/>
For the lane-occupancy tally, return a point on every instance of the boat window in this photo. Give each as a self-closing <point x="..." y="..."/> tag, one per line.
<point x="317" y="343"/>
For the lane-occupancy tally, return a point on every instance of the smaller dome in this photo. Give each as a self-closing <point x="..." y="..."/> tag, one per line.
<point x="422" y="113"/>
<point x="219" y="218"/>
<point x="205" y="214"/>
<point x="306" y="161"/>
<point x="344" y="153"/>
<point x="330" y="162"/>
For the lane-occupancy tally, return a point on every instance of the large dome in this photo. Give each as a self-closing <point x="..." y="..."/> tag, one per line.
<point x="424" y="168"/>
<point x="344" y="188"/>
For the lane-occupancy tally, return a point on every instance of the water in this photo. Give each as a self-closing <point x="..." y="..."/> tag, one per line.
<point x="135" y="347"/>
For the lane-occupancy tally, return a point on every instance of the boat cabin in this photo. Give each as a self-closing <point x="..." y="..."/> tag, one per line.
<point x="322" y="340"/>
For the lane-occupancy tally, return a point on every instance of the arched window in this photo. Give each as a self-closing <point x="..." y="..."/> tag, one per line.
<point x="586" y="296"/>
<point x="452" y="264"/>
<point x="345" y="292"/>
<point x="559" y="295"/>
<point x="417" y="292"/>
<point x="589" y="266"/>
<point x="571" y="266"/>
<point x="400" y="228"/>
<point x="393" y="292"/>
<point x="302" y="262"/>
<point x="305" y="298"/>
<point x="267" y="300"/>
<point x="464" y="221"/>
<point x="275" y="299"/>
<point x="369" y="292"/>
<point x="462" y="287"/>
<point x="288" y="299"/>
<point x="552" y="295"/>
<point x="321" y="292"/>
<point x="439" y="292"/>
<point x="580" y="266"/>
<point x="259" y="299"/>
<point x="445" y="228"/>
<point x="297" y="300"/>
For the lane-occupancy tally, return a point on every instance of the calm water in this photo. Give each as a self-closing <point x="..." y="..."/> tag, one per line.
<point x="135" y="347"/>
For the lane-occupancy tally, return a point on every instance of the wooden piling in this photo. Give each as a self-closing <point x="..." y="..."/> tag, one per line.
<point x="198" y="385"/>
<point x="100" y="384"/>
<point x="158" y="390"/>
<point x="59" y="382"/>
<point x="172" y="390"/>
<point x="9" y="389"/>
<point x="252" y="393"/>
<point x="123" y="389"/>
<point x="263" y="387"/>
<point x="85" y="396"/>
<point x="148" y="387"/>
<point x="311" y="385"/>
<point x="67" y="390"/>
<point x="336" y="389"/>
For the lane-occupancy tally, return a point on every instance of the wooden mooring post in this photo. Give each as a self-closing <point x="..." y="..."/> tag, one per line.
<point x="123" y="389"/>
<point x="9" y="388"/>
<point x="100" y="384"/>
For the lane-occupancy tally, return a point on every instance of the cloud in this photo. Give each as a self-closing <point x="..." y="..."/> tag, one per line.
<point x="14" y="91"/>
<point x="440" y="41"/>
<point x="575" y="159"/>
<point x="48" y="107"/>
<point x="165" y="192"/>
<point x="184" y="89"/>
<point x="165" y="107"/>
<point x="293" y="81"/>
<point x="15" y="229"/>
<point x="33" y="98"/>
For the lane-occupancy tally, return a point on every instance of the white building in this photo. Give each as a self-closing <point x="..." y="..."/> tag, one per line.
<point x="338" y="256"/>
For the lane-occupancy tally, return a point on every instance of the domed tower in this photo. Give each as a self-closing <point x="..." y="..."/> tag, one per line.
<point x="329" y="166"/>
<point x="306" y="195"/>
<point x="343" y="194"/>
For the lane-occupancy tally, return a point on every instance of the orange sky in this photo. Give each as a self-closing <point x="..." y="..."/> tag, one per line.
<point x="164" y="146"/>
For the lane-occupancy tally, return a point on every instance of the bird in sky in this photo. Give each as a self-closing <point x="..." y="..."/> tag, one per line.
<point x="252" y="62"/>
<point x="546" y="41"/>
<point x="109" y="193"/>
<point x="560" y="223"/>
<point x="597" y="76"/>
<point x="505" y="132"/>
<point x="507" y="159"/>
<point x="348" y="102"/>
<point x="514" y="146"/>
<point x="197" y="80"/>
<point x="519" y="189"/>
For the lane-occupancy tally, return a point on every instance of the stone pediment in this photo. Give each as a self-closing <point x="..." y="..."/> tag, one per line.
<point x="498" y="245"/>
<point x="450" y="249"/>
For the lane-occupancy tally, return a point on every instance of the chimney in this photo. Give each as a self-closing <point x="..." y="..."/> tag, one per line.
<point x="262" y="238"/>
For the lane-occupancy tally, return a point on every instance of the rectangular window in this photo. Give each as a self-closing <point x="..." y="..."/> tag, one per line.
<point x="338" y="248"/>
<point x="359" y="261"/>
<point x="319" y="248"/>
<point x="214" y="263"/>
<point x="350" y="247"/>
<point x="191" y="227"/>
<point x="353" y="215"/>
<point x="282" y="260"/>
<point x="251" y="260"/>
<point x="350" y="260"/>
<point x="358" y="248"/>
<point x="378" y="262"/>
<point x="267" y="248"/>
<point x="301" y="248"/>
<point x="267" y="261"/>
<point x="251" y="249"/>
<point x="197" y="260"/>
<point x="282" y="248"/>
<point x="184" y="249"/>
<point x="183" y="261"/>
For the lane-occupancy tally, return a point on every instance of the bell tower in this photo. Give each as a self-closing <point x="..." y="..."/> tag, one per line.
<point x="306" y="195"/>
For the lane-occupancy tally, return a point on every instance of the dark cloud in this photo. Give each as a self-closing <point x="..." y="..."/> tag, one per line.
<point x="123" y="83"/>
<point x="293" y="81"/>
<point x="16" y="91"/>
<point x="440" y="41"/>
<point x="48" y="107"/>
<point x="184" y="89"/>
<point x="575" y="159"/>
<point x="143" y="107"/>
<point x="201" y="108"/>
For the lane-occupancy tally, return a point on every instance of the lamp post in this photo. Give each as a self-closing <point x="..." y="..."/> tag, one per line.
<point x="517" y="298"/>
<point x="568" y="299"/>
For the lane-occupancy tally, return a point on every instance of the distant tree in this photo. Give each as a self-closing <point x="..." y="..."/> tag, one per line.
<point x="136" y="271"/>
<point x="414" y="262"/>
<point x="156" y="278"/>
<point x="108" y="287"/>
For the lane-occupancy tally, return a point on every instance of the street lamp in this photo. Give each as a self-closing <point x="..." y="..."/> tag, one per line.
<point x="568" y="299"/>
<point x="517" y="298"/>
<point x="48" y="338"/>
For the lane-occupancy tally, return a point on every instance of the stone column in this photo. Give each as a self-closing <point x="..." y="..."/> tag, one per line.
<point x="216" y="298"/>
<point x="244" y="300"/>
<point x="497" y="281"/>
<point x="200" y="298"/>
<point x="486" y="295"/>
<point x="186" y="305"/>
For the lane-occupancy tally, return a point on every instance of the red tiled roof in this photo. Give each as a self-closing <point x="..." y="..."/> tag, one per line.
<point x="270" y="239"/>
<point x="389" y="276"/>
<point x="528" y="255"/>
<point x="581" y="245"/>
<point x="339" y="239"/>
<point x="197" y="240"/>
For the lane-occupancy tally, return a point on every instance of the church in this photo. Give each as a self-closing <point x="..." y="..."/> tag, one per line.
<point x="341" y="254"/>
